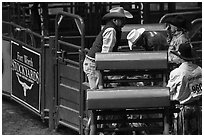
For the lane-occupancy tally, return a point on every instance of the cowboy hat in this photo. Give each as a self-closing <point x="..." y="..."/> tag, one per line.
<point x="179" y="21"/>
<point x="184" y="52"/>
<point x="117" y="12"/>
<point x="134" y="35"/>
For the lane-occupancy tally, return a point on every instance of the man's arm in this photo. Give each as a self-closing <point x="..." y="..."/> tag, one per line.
<point x="174" y="82"/>
<point x="109" y="40"/>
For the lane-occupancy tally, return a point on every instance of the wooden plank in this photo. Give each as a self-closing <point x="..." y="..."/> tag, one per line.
<point x="148" y="27"/>
<point x="131" y="97"/>
<point x="131" y="60"/>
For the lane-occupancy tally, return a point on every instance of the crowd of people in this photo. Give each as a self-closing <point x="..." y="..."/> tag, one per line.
<point x="185" y="81"/>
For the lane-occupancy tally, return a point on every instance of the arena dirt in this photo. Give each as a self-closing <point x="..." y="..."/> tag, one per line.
<point x="17" y="120"/>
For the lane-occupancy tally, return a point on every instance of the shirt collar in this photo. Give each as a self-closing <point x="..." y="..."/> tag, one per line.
<point x="186" y="64"/>
<point x="178" y="33"/>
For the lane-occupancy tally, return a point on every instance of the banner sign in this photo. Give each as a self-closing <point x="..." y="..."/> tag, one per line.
<point x="26" y="77"/>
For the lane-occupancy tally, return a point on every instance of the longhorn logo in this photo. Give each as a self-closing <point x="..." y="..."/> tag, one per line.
<point x="24" y="85"/>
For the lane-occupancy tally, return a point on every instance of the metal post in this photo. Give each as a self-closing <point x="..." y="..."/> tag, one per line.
<point x="166" y="121"/>
<point x="43" y="65"/>
<point x="93" y="125"/>
<point x="50" y="83"/>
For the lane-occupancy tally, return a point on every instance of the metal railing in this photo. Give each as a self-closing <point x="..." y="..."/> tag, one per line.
<point x="14" y="28"/>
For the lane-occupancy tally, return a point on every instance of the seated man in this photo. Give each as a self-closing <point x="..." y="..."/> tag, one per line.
<point x="185" y="82"/>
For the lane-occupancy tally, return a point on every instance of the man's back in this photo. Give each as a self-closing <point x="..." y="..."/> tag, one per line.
<point x="193" y="84"/>
<point x="186" y="82"/>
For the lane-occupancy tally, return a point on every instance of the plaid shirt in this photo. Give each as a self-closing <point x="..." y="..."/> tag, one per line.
<point x="177" y="39"/>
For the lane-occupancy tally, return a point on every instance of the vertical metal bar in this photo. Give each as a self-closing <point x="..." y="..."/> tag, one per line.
<point x="50" y="83"/>
<point x="166" y="121"/>
<point x="71" y="7"/>
<point x="42" y="78"/>
<point x="45" y="19"/>
<point x="81" y="59"/>
<point x="56" y="32"/>
<point x="199" y="112"/>
<point x="24" y="22"/>
<point x="164" y="79"/>
<point x="18" y="8"/>
<point x="56" y="77"/>
<point x="93" y="126"/>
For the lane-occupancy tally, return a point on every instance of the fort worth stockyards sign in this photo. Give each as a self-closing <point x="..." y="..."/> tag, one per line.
<point x="26" y="75"/>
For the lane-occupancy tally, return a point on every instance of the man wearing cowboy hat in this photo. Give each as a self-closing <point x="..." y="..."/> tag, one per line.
<point x="178" y="28"/>
<point x="185" y="82"/>
<point x="106" y="41"/>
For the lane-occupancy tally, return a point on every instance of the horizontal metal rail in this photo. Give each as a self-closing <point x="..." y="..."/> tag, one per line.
<point x="132" y="80"/>
<point x="155" y="128"/>
<point x="69" y="125"/>
<point x="149" y="120"/>
<point x="20" y="28"/>
<point x="177" y="13"/>
<point x="26" y="31"/>
<point x="131" y="111"/>
<point x="69" y="44"/>
<point x="77" y="37"/>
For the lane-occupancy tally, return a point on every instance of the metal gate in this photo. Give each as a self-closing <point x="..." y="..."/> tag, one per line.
<point x="69" y="75"/>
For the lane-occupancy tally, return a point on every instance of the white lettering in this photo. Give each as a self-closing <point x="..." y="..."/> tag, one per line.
<point x="19" y="57"/>
<point x="27" y="61"/>
<point x="25" y="71"/>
